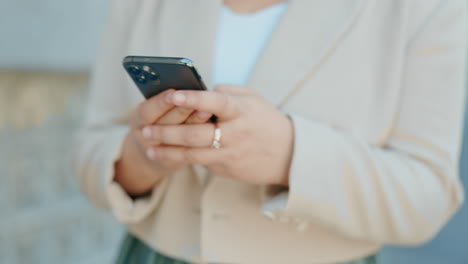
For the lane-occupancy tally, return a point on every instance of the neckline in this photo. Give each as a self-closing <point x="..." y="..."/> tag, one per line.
<point x="267" y="9"/>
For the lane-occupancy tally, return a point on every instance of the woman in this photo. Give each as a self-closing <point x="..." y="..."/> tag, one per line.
<point x="339" y="128"/>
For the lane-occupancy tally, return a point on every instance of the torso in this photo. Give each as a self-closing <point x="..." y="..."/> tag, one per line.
<point x="352" y="90"/>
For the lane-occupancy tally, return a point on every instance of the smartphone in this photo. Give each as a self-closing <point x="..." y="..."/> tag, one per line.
<point x="153" y="75"/>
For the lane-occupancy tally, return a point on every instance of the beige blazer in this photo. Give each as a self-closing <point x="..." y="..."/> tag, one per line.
<point x="376" y="96"/>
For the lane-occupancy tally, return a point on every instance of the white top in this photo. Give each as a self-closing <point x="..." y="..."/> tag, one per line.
<point x="240" y="40"/>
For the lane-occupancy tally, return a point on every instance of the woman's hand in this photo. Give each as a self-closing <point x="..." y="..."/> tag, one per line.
<point x="135" y="172"/>
<point x="256" y="142"/>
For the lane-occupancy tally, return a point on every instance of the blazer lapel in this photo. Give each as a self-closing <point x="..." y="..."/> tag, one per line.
<point x="308" y="33"/>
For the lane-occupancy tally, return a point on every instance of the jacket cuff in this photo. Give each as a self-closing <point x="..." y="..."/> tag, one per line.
<point x="294" y="203"/>
<point x="126" y="209"/>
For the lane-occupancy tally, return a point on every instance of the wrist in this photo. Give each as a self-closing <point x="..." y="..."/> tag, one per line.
<point x="288" y="154"/>
<point x="133" y="172"/>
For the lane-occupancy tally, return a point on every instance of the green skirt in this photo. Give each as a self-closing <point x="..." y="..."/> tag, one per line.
<point x="133" y="251"/>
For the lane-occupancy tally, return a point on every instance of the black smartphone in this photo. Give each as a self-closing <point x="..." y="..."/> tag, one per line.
<point x="153" y="75"/>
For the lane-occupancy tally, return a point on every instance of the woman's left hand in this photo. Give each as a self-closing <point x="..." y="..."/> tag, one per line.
<point x="256" y="138"/>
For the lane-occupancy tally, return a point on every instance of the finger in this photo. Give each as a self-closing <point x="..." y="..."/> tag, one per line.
<point x="152" y="109"/>
<point x="195" y="136"/>
<point x="224" y="106"/>
<point x="198" y="118"/>
<point x="233" y="89"/>
<point x="175" y="116"/>
<point x="187" y="156"/>
<point x="168" y="160"/>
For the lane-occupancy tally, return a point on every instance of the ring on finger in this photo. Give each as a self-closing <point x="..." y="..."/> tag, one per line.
<point x="216" y="144"/>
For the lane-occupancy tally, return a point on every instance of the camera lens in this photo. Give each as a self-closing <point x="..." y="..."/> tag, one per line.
<point x="153" y="76"/>
<point x="141" y="79"/>
<point x="134" y="70"/>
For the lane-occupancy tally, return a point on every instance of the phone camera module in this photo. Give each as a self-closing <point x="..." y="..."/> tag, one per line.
<point x="153" y="76"/>
<point x="147" y="68"/>
<point x="141" y="79"/>
<point x="134" y="70"/>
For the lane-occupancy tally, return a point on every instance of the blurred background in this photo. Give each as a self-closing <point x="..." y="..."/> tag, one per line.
<point x="47" y="48"/>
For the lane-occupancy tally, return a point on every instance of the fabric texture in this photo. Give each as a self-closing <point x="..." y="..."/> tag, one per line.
<point x="134" y="251"/>
<point x="376" y="92"/>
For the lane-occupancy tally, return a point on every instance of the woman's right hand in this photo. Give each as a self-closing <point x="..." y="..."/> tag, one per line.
<point x="138" y="171"/>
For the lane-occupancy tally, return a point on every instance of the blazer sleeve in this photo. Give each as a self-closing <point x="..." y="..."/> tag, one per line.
<point x="405" y="191"/>
<point x="106" y="123"/>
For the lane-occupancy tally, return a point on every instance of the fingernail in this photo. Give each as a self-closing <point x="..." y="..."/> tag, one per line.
<point x="151" y="154"/>
<point x="203" y="115"/>
<point x="146" y="132"/>
<point x="179" y="98"/>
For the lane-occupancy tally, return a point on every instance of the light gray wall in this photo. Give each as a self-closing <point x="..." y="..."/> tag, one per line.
<point x="49" y="35"/>
<point x="45" y="217"/>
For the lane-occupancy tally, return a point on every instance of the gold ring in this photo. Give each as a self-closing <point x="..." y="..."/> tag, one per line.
<point x="216" y="137"/>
